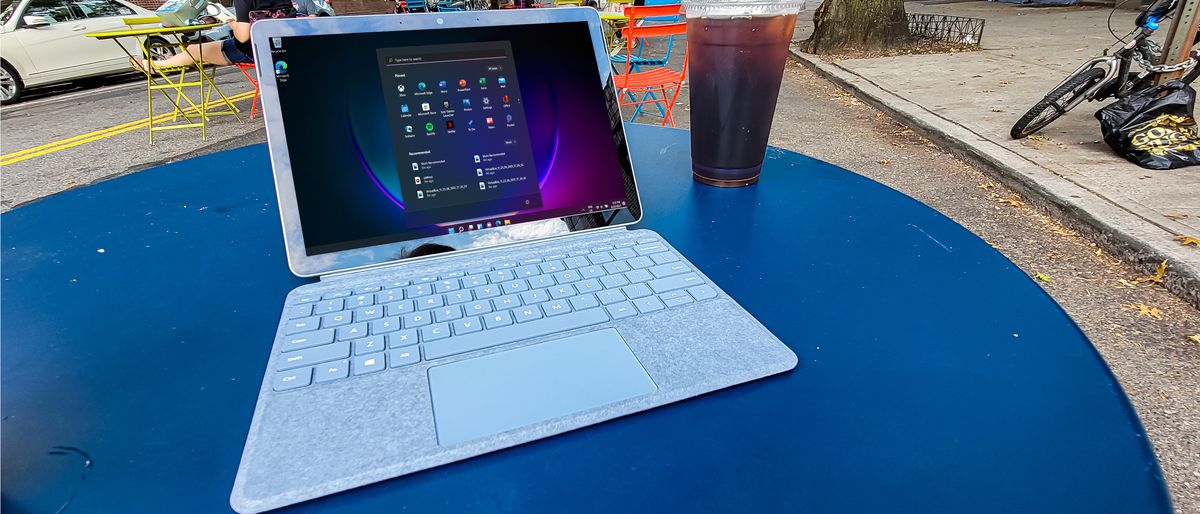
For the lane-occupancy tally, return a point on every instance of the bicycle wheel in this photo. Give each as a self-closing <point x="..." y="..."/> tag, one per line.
<point x="1056" y="103"/>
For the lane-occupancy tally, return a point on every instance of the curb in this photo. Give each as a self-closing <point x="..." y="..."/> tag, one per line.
<point x="1118" y="231"/>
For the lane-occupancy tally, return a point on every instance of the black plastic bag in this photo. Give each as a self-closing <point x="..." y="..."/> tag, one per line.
<point x="1154" y="128"/>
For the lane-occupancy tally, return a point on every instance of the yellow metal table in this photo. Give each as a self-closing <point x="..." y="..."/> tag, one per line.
<point x="174" y="78"/>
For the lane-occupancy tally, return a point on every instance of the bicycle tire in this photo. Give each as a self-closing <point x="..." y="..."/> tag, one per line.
<point x="1048" y="109"/>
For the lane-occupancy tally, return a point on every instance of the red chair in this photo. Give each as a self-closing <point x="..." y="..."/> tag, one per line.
<point x="658" y="86"/>
<point x="252" y="75"/>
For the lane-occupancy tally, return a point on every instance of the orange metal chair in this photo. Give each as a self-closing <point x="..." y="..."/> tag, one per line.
<point x="251" y="74"/>
<point x="658" y="86"/>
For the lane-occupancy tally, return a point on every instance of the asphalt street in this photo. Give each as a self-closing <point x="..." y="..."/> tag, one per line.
<point x="1156" y="363"/>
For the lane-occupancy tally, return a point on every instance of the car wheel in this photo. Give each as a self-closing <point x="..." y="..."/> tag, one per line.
<point x="158" y="48"/>
<point x="11" y="86"/>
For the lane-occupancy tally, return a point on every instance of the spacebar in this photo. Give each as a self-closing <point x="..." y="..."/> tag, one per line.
<point x="502" y="335"/>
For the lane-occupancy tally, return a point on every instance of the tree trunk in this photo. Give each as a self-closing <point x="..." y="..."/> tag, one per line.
<point x="859" y="25"/>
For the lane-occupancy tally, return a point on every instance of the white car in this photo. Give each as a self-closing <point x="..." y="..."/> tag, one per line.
<point x="43" y="42"/>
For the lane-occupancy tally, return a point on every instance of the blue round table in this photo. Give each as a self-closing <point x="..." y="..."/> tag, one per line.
<point x="934" y="375"/>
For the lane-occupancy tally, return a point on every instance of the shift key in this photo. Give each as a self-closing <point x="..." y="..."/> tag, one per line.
<point x="663" y="285"/>
<point x="314" y="355"/>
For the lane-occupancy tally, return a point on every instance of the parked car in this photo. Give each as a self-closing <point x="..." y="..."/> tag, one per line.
<point x="42" y="42"/>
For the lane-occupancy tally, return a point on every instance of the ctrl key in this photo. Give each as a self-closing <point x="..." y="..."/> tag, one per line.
<point x="292" y="379"/>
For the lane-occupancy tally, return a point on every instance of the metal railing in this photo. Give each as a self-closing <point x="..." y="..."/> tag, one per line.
<point x="951" y="29"/>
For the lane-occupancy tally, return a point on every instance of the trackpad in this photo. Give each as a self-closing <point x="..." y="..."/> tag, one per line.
<point x="506" y="390"/>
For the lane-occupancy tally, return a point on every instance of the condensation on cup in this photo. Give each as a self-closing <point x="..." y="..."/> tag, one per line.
<point x="736" y="52"/>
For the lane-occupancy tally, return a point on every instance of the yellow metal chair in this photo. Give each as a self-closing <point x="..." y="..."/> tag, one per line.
<point x="174" y="78"/>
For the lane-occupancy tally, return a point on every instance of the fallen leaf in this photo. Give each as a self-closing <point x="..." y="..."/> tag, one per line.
<point x="1176" y="216"/>
<point x="1188" y="240"/>
<point x="1099" y="252"/>
<point x="885" y="161"/>
<point x="1038" y="137"/>
<point x="985" y="186"/>
<point x="1195" y="338"/>
<point x="1145" y="310"/>
<point x="997" y="110"/>
<point x="898" y="145"/>
<point x="1042" y="277"/>
<point x="1157" y="277"/>
<point x="1013" y="201"/>
<point x="1122" y="283"/>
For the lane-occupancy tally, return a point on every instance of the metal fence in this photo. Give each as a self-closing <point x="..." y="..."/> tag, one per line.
<point x="951" y="29"/>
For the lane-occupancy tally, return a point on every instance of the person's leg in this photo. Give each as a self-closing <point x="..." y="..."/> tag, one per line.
<point x="212" y="55"/>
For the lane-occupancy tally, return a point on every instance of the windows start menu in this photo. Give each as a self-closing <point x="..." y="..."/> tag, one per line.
<point x="459" y="132"/>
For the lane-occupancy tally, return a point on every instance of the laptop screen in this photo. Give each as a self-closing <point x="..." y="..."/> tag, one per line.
<point x="406" y="135"/>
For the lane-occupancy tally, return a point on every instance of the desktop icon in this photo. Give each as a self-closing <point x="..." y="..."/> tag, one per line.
<point x="508" y="118"/>
<point x="504" y="99"/>
<point x="450" y="124"/>
<point x="501" y="81"/>
<point x="403" y="107"/>
<point x="466" y="102"/>
<point x="460" y="228"/>
<point x="487" y="101"/>
<point x="478" y="172"/>
<point x="421" y="86"/>
<point x="470" y="123"/>
<point x="429" y="127"/>
<point x="408" y="129"/>
<point x="417" y="180"/>
<point x="400" y="88"/>
<point x="441" y="84"/>
<point x="489" y="120"/>
<point x="489" y="224"/>
<point x="462" y="83"/>
<point x="483" y="186"/>
<point x="420" y="194"/>
<point x="276" y="42"/>
<point x="507" y="222"/>
<point x="281" y="68"/>
<point x="415" y="168"/>
<point x="478" y="226"/>
<point x="451" y="230"/>
<point x="482" y="81"/>
<point x="445" y="104"/>
<point x="425" y="106"/>
<point x="476" y="158"/>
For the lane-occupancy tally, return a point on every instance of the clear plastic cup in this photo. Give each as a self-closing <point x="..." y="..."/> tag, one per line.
<point x="736" y="54"/>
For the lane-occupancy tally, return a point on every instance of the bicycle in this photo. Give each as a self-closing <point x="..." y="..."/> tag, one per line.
<point x="1108" y="76"/>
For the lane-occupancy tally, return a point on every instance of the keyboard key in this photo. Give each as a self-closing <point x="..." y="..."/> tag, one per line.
<point x="648" y="304"/>
<point x="335" y="294"/>
<point x="555" y="257"/>
<point x="667" y="270"/>
<point x="478" y="270"/>
<point x="498" y="319"/>
<point x="401" y="307"/>
<point x="665" y="257"/>
<point x="584" y="301"/>
<point x="638" y="275"/>
<point x="645" y="240"/>
<point x="626" y="244"/>
<point x="552" y="267"/>
<point x="671" y="295"/>
<point x="577" y="253"/>
<point x="474" y="280"/>
<point x="416" y="319"/>
<point x="314" y="355"/>
<point x="435" y="331"/>
<point x="595" y="271"/>
<point x="448" y="313"/>
<point x="418" y="291"/>
<point x="285" y="380"/>
<point x="636" y="291"/>
<point x="385" y="325"/>
<point x="577" y="262"/>
<point x="511" y="333"/>
<point x="505" y="265"/>
<point x="458" y="297"/>
<point x="650" y="248"/>
<point x="368" y="313"/>
<point x="702" y="292"/>
<point x="527" y="313"/>
<point x="426" y="280"/>
<point x="364" y="364"/>
<point x="613" y="281"/>
<point x="501" y="276"/>
<point x="527" y="271"/>
<point x="620" y="310"/>
<point x="367" y="289"/>
<point x="336" y="319"/>
<point x="354" y="331"/>
<point x="445" y="286"/>
<point x="307" y="340"/>
<point x="299" y="311"/>
<point x="640" y="262"/>
<point x="485" y="292"/>
<point x="308" y="298"/>
<point x="355" y="302"/>
<point x="389" y="296"/>
<point x="532" y="297"/>
<point x="369" y="345"/>
<point x="610" y="296"/>
<point x="589" y="286"/>
<point x="563" y="291"/>
<point x="531" y="260"/>
<point x="541" y="281"/>
<point x="566" y="277"/>
<point x="466" y="326"/>
<point x="403" y="357"/>
<point x="675" y="302"/>
<point x="613" y="268"/>
<point x="297" y="326"/>
<point x="397" y="283"/>
<point x="624" y="253"/>
<point x="600" y="258"/>
<point x="507" y="302"/>
<point x="663" y="285"/>
<point x="331" y="371"/>
<point x="430" y="302"/>
<point x="402" y="338"/>
<point x="480" y="307"/>
<point x="604" y="248"/>
<point x="328" y="306"/>
<point x="557" y="307"/>
<point x="514" y="286"/>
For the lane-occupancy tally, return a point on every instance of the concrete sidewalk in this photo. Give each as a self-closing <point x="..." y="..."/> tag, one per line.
<point x="967" y="102"/>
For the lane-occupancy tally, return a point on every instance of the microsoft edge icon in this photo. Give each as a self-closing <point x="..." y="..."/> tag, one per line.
<point x="280" y="67"/>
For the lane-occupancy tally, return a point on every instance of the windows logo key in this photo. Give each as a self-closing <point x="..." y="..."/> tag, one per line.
<point x="280" y="67"/>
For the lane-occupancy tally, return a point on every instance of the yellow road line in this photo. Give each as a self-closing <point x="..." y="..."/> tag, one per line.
<point x="74" y="141"/>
